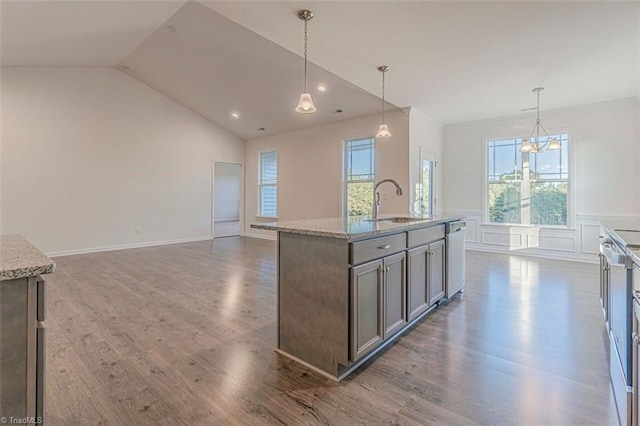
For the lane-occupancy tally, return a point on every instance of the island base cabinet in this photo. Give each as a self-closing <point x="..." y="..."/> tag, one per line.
<point x="366" y="308"/>
<point x="418" y="295"/>
<point x="378" y="303"/>
<point x="426" y="284"/>
<point x="435" y="269"/>
<point x="395" y="294"/>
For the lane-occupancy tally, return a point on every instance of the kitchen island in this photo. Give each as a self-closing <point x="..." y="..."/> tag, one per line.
<point x="347" y="287"/>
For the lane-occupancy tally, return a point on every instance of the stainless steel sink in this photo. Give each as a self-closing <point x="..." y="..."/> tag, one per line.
<point x="399" y="219"/>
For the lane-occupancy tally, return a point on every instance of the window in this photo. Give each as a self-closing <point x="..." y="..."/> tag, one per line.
<point x="359" y="176"/>
<point x="527" y="188"/>
<point x="268" y="184"/>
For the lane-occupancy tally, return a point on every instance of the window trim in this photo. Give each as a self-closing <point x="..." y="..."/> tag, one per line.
<point x="345" y="182"/>
<point x="259" y="186"/>
<point x="571" y="220"/>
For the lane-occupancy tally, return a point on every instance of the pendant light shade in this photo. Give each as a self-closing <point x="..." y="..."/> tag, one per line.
<point x="533" y="143"/>
<point x="383" y="130"/>
<point x="554" y="145"/>
<point x="526" y="146"/>
<point x="305" y="104"/>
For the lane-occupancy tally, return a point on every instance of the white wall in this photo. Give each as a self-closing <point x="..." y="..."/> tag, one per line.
<point x="310" y="168"/>
<point x="89" y="154"/>
<point x="606" y="151"/>
<point x="427" y="133"/>
<point x="227" y="190"/>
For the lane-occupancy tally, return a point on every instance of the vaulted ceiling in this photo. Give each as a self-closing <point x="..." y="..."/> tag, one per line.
<point x="456" y="61"/>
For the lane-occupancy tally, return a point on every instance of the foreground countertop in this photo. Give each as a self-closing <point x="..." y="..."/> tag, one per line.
<point x="20" y="259"/>
<point x="350" y="227"/>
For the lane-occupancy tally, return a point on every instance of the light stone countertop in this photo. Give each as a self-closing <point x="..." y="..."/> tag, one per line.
<point x="350" y="227"/>
<point x="20" y="259"/>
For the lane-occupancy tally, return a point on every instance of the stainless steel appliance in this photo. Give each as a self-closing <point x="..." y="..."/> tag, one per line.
<point x="604" y="279"/>
<point x="635" y="365"/>
<point x="454" y="281"/>
<point x="619" y="280"/>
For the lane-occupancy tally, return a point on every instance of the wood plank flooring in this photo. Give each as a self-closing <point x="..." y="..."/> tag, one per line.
<point x="184" y="335"/>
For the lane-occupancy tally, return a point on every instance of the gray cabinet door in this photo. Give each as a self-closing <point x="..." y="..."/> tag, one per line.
<point x="366" y="308"/>
<point x="395" y="294"/>
<point x="435" y="271"/>
<point x="417" y="294"/>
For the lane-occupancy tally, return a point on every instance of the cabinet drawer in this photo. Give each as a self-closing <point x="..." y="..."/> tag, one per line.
<point x="376" y="248"/>
<point x="422" y="236"/>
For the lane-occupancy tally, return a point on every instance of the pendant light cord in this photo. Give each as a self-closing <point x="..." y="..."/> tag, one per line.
<point x="383" y="73"/>
<point x="305" y="56"/>
<point x="538" y="121"/>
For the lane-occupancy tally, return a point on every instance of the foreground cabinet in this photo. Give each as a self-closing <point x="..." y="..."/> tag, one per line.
<point x="22" y="349"/>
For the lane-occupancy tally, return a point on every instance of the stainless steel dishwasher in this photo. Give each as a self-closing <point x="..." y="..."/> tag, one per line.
<point x="454" y="280"/>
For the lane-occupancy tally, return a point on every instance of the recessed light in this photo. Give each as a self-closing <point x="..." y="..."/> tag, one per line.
<point x="235" y="115"/>
<point x="322" y="88"/>
<point x="172" y="29"/>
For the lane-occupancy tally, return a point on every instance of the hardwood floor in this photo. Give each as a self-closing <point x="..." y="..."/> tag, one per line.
<point x="184" y="335"/>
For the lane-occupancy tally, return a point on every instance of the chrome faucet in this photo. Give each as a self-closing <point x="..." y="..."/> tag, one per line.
<point x="376" y="200"/>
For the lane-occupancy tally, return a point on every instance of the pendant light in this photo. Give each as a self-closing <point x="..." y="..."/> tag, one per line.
<point x="532" y="144"/>
<point x="383" y="130"/>
<point x="305" y="104"/>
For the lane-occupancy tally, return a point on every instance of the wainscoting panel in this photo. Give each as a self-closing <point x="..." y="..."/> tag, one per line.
<point x="502" y="238"/>
<point x="552" y="242"/>
<point x="579" y="243"/>
<point x="472" y="229"/>
<point x="589" y="233"/>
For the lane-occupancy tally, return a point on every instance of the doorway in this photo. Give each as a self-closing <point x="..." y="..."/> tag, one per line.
<point x="426" y="183"/>
<point x="227" y="200"/>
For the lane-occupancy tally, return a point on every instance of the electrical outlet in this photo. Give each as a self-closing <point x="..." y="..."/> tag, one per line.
<point x="137" y="229"/>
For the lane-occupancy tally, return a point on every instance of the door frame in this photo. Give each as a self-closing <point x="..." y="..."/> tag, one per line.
<point x="213" y="194"/>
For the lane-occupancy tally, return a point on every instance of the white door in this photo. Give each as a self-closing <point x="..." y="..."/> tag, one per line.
<point x="226" y="199"/>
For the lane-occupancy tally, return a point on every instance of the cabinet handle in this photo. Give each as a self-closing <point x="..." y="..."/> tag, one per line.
<point x="636" y="339"/>
<point x="384" y="246"/>
<point x="386" y="269"/>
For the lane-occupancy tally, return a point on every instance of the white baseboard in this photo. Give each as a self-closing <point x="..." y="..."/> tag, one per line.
<point x="126" y="246"/>
<point x="261" y="236"/>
